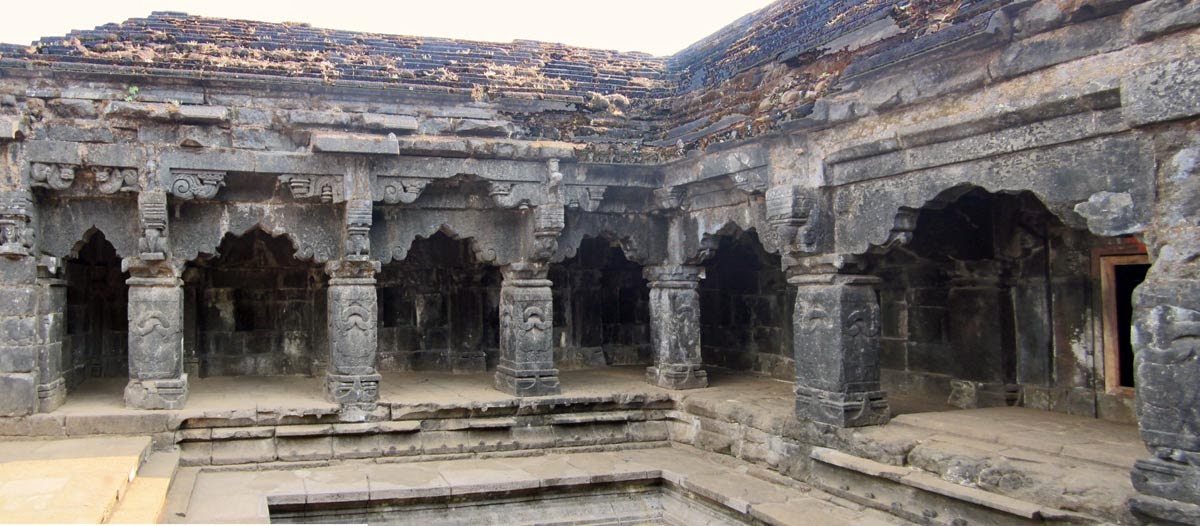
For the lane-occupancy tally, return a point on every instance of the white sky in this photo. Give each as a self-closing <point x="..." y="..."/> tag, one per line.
<point x="660" y="27"/>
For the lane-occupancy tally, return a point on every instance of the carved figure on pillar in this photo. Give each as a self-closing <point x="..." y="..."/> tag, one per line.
<point x="156" y="377"/>
<point x="352" y="380"/>
<point x="16" y="237"/>
<point x="358" y="228"/>
<point x="526" y="333"/>
<point x="152" y="208"/>
<point x="675" y="327"/>
<point x="836" y="321"/>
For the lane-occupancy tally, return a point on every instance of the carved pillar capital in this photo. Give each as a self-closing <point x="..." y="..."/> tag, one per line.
<point x="675" y="327"/>
<point x="836" y="331"/>
<point x="526" y="332"/>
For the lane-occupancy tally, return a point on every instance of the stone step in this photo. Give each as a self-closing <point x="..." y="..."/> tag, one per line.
<point x="144" y="500"/>
<point x="73" y="480"/>
<point x="921" y="496"/>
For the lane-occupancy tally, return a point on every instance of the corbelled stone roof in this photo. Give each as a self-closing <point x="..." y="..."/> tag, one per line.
<point x="178" y="41"/>
<point x="747" y="79"/>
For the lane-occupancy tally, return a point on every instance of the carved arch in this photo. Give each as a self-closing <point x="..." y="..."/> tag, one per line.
<point x="642" y="239"/>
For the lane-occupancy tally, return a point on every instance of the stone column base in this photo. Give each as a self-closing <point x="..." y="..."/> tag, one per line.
<point x="359" y="391"/>
<point x="678" y="377"/>
<point x="51" y="395"/>
<point x="159" y="393"/>
<point x="527" y="382"/>
<point x="842" y="409"/>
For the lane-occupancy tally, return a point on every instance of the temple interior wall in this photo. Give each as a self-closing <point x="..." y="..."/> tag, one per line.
<point x="601" y="309"/>
<point x="746" y="309"/>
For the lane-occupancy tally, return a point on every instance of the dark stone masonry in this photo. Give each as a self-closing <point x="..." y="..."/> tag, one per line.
<point x="969" y="202"/>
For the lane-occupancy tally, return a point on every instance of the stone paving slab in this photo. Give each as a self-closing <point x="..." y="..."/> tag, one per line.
<point x="75" y="480"/>
<point x="242" y="496"/>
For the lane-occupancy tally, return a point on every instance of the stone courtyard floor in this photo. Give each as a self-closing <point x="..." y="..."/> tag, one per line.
<point x="1074" y="463"/>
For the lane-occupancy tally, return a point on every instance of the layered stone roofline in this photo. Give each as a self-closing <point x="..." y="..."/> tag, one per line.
<point x="747" y="79"/>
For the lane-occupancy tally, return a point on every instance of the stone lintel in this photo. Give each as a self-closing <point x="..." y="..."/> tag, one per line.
<point x="355" y="143"/>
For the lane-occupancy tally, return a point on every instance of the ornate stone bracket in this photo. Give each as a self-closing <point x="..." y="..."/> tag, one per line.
<point x="113" y="180"/>
<point x="61" y="176"/>
<point x="393" y="190"/>
<point x="196" y="184"/>
<point x="796" y="221"/>
<point x="358" y="228"/>
<point x="586" y="198"/>
<point x="327" y="188"/>
<point x="16" y="236"/>
<point x="675" y="327"/>
<point x="152" y="210"/>
<point x="670" y="199"/>
<point x="54" y="176"/>
<point x="750" y="181"/>
<point x="549" y="221"/>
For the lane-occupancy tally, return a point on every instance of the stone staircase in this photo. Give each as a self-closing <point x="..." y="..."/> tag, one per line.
<point x="145" y="498"/>
<point x="937" y="469"/>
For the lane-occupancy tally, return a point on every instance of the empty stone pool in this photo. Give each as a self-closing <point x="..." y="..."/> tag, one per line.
<point x="640" y="502"/>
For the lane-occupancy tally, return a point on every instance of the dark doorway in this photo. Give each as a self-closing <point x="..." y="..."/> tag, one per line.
<point x="97" y="303"/>
<point x="601" y="308"/>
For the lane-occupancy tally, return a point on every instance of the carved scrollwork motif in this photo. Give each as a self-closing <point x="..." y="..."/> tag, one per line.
<point x="811" y="316"/>
<point x="393" y="190"/>
<point x="586" y="198"/>
<point x="792" y="215"/>
<point x="535" y="319"/>
<point x="52" y="175"/>
<point x="327" y="188"/>
<point x="113" y="180"/>
<point x="196" y="184"/>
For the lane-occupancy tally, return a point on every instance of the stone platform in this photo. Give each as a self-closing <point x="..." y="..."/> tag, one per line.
<point x="76" y="480"/>
<point x="1049" y="462"/>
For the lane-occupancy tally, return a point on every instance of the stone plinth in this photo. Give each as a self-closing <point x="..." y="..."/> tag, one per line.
<point x="675" y="327"/>
<point x="526" y="333"/>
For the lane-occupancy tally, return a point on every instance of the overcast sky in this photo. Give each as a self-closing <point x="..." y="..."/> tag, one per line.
<point x="661" y="27"/>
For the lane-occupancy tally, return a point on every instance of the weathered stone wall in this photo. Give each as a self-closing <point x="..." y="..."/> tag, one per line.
<point x="746" y="309"/>
<point x="95" y="341"/>
<point x="601" y="310"/>
<point x="438" y="310"/>
<point x="258" y="309"/>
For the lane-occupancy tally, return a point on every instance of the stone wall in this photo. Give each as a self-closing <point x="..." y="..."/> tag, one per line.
<point x="259" y="310"/>
<point x="601" y="310"/>
<point x="438" y="310"/>
<point x="95" y="340"/>
<point x="746" y="309"/>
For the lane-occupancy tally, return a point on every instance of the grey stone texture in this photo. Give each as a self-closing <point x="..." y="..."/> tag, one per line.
<point x="526" y="365"/>
<point x="675" y="327"/>
<point x="937" y="181"/>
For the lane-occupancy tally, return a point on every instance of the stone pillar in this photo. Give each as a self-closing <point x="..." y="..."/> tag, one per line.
<point x="836" y="323"/>
<point x="351" y="379"/>
<point x="1166" y="329"/>
<point x="156" y="377"/>
<point x="526" y="333"/>
<point x="675" y="327"/>
<point x="20" y="343"/>
<point x="51" y="326"/>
